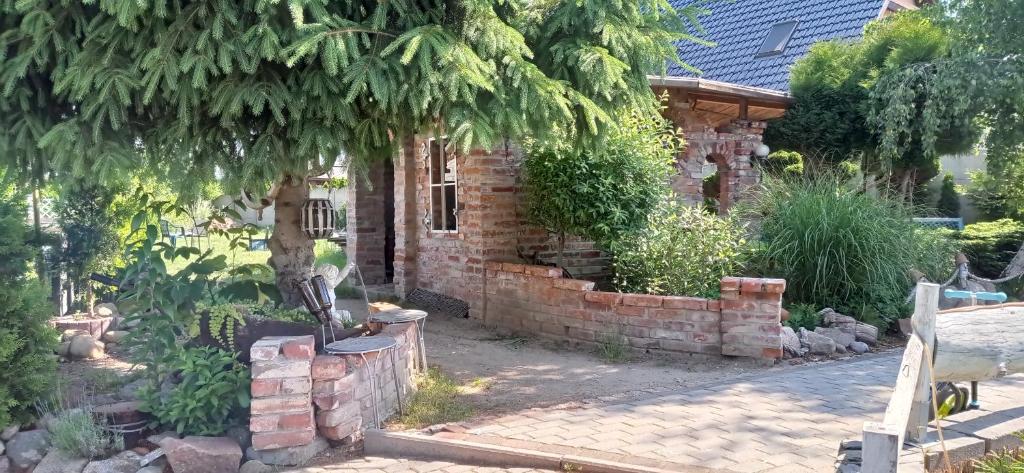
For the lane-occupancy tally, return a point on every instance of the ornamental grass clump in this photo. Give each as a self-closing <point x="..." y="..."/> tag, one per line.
<point x="682" y="251"/>
<point x="841" y="248"/>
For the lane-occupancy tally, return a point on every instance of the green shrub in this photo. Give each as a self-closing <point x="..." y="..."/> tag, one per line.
<point x="784" y="163"/>
<point x="26" y="340"/>
<point x="803" y="316"/>
<point x="949" y="199"/>
<point x="682" y="251"/>
<point x="76" y="433"/>
<point x="840" y="248"/>
<point x="601" y="194"/>
<point x="210" y="393"/>
<point x="991" y="245"/>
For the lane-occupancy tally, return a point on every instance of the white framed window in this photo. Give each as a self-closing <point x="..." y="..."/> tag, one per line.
<point x="444" y="182"/>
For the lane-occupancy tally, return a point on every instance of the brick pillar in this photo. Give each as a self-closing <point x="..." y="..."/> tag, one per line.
<point x="367" y="229"/>
<point x="752" y="317"/>
<point x="281" y="409"/>
<point x="407" y="218"/>
<point x="743" y="175"/>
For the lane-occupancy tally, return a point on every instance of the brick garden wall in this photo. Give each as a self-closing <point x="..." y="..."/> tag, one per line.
<point x="298" y="395"/>
<point x="536" y="300"/>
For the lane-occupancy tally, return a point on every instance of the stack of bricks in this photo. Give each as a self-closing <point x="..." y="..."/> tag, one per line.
<point x="338" y="413"/>
<point x="281" y="410"/>
<point x="751" y="317"/>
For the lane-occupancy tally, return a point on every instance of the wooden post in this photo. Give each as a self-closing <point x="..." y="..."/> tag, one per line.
<point x="908" y="408"/>
<point x="881" y="449"/>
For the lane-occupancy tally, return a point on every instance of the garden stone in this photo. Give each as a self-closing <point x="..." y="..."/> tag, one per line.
<point x="831" y="318"/>
<point x="70" y="333"/>
<point x="28" y="448"/>
<point x="8" y="432"/>
<point x="155" y="457"/>
<point x="151" y="469"/>
<point x="289" y="456"/>
<point x="124" y="462"/>
<point x="240" y="434"/>
<point x="84" y="346"/>
<point x="5" y="465"/>
<point x="105" y="309"/>
<point x="155" y="439"/>
<point x="63" y="349"/>
<point x="114" y="336"/>
<point x="131" y="390"/>
<point x="255" y="466"/>
<point x="790" y="342"/>
<point x="195" y="454"/>
<point x="859" y="347"/>
<point x="841" y="338"/>
<point x="816" y="344"/>
<point x="866" y="333"/>
<point x="59" y="462"/>
<point x="2" y="447"/>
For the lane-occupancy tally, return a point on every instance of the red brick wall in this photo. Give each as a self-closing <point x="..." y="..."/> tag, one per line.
<point x="537" y="300"/>
<point x="298" y="395"/>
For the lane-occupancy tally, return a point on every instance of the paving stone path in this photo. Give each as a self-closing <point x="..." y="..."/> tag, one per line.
<point x="392" y="465"/>
<point x="779" y="421"/>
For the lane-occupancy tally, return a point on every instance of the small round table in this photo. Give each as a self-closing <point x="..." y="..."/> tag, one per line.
<point x="364" y="346"/>
<point x="401" y="316"/>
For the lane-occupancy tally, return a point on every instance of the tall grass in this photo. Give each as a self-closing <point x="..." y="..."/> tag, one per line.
<point x="841" y="248"/>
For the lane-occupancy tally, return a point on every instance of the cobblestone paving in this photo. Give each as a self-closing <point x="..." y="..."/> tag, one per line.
<point x="781" y="421"/>
<point x="391" y="465"/>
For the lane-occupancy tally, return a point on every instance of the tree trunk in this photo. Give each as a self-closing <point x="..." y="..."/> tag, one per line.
<point x="979" y="343"/>
<point x="37" y="228"/>
<point x="291" y="250"/>
<point x="561" y="250"/>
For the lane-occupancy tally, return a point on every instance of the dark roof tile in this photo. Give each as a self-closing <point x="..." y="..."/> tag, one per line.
<point x="739" y="27"/>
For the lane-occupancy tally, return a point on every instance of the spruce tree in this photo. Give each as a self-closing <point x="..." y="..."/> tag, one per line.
<point x="271" y="92"/>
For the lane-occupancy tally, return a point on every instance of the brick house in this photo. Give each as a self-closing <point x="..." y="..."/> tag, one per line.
<point x="453" y="224"/>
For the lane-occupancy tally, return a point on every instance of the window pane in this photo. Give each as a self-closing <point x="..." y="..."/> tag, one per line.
<point x="436" y="208"/>
<point x="451" y="220"/>
<point x="777" y="38"/>
<point x="435" y="162"/>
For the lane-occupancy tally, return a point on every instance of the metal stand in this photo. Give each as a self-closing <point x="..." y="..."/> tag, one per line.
<point x="363" y="346"/>
<point x="401" y="316"/>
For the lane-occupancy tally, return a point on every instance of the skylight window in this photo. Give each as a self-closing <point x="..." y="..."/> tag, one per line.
<point x="777" y="39"/>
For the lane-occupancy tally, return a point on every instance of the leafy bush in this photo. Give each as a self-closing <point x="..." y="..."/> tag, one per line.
<point x="76" y="433"/>
<point x="682" y="251"/>
<point x="991" y="245"/>
<point x="26" y="340"/>
<point x="949" y="199"/>
<point x="601" y="194"/>
<point x="840" y="248"/>
<point x="784" y="163"/>
<point x="803" y="316"/>
<point x="210" y="390"/>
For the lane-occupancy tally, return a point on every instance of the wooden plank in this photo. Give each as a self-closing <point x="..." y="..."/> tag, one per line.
<point x="984" y="343"/>
<point x="881" y="448"/>
<point x="908" y="407"/>
<point x="923" y="321"/>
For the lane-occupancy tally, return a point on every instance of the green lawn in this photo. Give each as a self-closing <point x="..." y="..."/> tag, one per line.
<point x="326" y="252"/>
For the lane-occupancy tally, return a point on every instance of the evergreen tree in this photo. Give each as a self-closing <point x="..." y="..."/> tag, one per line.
<point x="949" y="199"/>
<point x="271" y="92"/>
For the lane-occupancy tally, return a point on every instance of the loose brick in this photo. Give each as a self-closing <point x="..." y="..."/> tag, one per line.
<point x="265" y="349"/>
<point x="376" y="307"/>
<point x="574" y="284"/>
<point x="603" y="297"/>
<point x="751" y="285"/>
<point x="265" y="387"/>
<point x="729" y="284"/>
<point x="342" y="431"/>
<point x="642" y="300"/>
<point x="338" y="416"/>
<point x="332" y="401"/>
<point x="694" y="303"/>
<point x="328" y="367"/>
<point x="330" y="386"/>
<point x="775" y="286"/>
<point x="543" y="271"/>
<point x="275" y="422"/>
<point x="299" y="348"/>
<point x="282" y="439"/>
<point x="513" y="267"/>
<point x="280" y="404"/>
<point x="280" y="369"/>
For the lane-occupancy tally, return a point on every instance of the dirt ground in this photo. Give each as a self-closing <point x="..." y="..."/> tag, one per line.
<point x="504" y="374"/>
